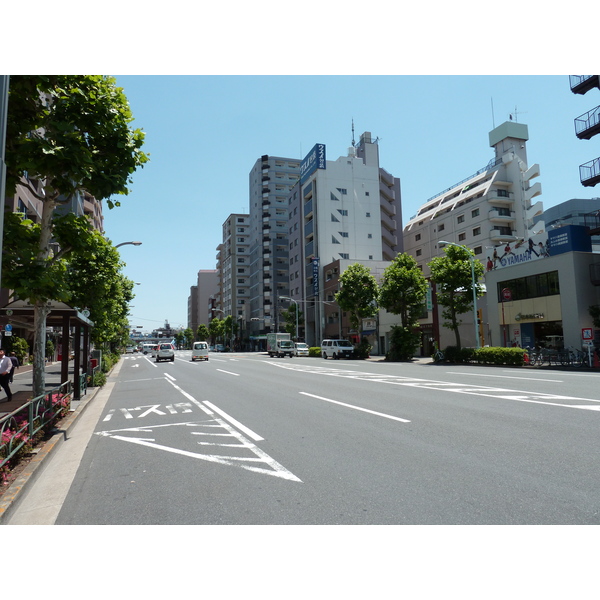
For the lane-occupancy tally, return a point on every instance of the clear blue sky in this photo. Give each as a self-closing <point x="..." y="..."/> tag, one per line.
<point x="204" y="134"/>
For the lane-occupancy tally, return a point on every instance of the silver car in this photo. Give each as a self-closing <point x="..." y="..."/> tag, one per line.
<point x="165" y="352"/>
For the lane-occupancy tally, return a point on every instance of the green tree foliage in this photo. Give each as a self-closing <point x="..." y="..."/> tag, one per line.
<point x="95" y="282"/>
<point x="403" y="289"/>
<point x="68" y="133"/>
<point x="216" y="328"/>
<point x="402" y="292"/>
<point x="358" y="294"/>
<point x="289" y="317"/>
<point x="188" y="337"/>
<point x="202" y="332"/>
<point x="452" y="275"/>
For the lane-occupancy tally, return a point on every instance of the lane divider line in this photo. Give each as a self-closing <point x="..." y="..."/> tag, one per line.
<point x="372" y="412"/>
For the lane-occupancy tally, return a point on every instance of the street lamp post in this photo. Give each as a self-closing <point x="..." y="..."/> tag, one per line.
<point x="130" y="243"/>
<point x="473" y="283"/>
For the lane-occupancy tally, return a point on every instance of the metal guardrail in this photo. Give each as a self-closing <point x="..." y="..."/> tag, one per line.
<point x="21" y="426"/>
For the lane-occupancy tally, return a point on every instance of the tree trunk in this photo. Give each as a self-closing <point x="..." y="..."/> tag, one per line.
<point x="41" y="311"/>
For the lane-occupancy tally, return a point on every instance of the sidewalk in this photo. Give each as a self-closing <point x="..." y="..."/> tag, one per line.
<point x="22" y="392"/>
<point x="22" y="386"/>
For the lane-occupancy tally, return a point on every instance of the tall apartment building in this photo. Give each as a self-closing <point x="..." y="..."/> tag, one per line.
<point x="270" y="181"/>
<point x="587" y="126"/>
<point x="232" y="265"/>
<point x="347" y="209"/>
<point x="486" y="211"/>
<point x="201" y="298"/>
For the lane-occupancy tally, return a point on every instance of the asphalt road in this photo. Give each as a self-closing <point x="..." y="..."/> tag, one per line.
<point x="246" y="439"/>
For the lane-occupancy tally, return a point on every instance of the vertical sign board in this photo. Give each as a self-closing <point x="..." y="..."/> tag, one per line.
<point x="315" y="264"/>
<point x="314" y="160"/>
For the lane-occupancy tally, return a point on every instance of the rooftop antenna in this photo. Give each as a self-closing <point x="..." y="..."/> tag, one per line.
<point x="493" y="120"/>
<point x="353" y="141"/>
<point x="516" y="113"/>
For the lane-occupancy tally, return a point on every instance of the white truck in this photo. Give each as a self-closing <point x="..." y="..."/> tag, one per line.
<point x="280" y="344"/>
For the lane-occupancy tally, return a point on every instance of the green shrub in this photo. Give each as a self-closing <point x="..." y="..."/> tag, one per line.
<point x="404" y="342"/>
<point x="485" y="356"/>
<point x="363" y="350"/>
<point x="98" y="379"/>
<point x="315" y="351"/>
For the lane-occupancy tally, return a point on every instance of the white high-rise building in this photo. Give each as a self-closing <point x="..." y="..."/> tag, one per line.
<point x="493" y="208"/>
<point x="345" y="209"/>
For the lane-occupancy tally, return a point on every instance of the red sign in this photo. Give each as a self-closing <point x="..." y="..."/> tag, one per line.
<point x="506" y="295"/>
<point x="586" y="333"/>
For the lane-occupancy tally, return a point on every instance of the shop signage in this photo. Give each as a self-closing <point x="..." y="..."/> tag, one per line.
<point x="314" y="160"/>
<point x="521" y="317"/>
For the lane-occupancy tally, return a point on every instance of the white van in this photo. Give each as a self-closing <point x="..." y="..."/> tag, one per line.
<point x="337" y="349"/>
<point x="200" y="350"/>
<point x="147" y="348"/>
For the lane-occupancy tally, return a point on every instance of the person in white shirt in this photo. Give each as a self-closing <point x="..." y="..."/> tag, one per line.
<point x="5" y="369"/>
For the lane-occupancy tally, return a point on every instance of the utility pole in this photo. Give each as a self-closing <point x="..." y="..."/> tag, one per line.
<point x="4" y="81"/>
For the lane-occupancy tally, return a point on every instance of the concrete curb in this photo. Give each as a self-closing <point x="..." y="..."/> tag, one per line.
<point x="15" y="492"/>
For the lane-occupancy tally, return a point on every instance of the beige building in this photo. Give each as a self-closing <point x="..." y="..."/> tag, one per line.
<point x="485" y="212"/>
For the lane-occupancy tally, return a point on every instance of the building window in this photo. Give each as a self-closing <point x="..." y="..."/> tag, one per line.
<point x="441" y="227"/>
<point x="460" y="219"/>
<point x="477" y="231"/>
<point x="368" y="214"/>
<point x="534" y="286"/>
<point x="344" y="255"/>
<point x="475" y="213"/>
<point x="334" y="240"/>
<point x="343" y="212"/>
<point x="342" y="191"/>
<point x="344" y="234"/>
<point x="369" y="235"/>
<point x="478" y="250"/>
<point x="419" y="252"/>
<point x="417" y="237"/>
<point x="462" y="237"/>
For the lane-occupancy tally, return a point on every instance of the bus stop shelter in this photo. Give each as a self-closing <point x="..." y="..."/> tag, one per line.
<point x="62" y="317"/>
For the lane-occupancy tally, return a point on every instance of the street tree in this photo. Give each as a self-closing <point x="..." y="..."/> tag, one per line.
<point x="202" y="332"/>
<point x="289" y="317"/>
<point x="402" y="292"/>
<point x="454" y="284"/>
<point x="96" y="282"/>
<point x="216" y="329"/>
<point x="358" y="294"/>
<point x="66" y="134"/>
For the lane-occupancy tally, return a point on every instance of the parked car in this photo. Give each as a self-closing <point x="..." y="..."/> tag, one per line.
<point x="129" y="350"/>
<point x="300" y="349"/>
<point x="219" y="348"/>
<point x="165" y="352"/>
<point x="200" y="351"/>
<point x="337" y="349"/>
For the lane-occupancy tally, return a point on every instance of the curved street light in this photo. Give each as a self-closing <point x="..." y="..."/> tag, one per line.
<point x="441" y="244"/>
<point x="126" y="243"/>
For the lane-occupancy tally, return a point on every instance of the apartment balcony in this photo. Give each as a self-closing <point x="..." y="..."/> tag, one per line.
<point x="388" y="207"/>
<point x="388" y="222"/>
<point x="502" y="234"/>
<point x="589" y="173"/>
<point x="580" y="84"/>
<point x="501" y="215"/>
<point x="386" y="191"/>
<point x="502" y="197"/>
<point x="588" y="125"/>
<point x="390" y="238"/>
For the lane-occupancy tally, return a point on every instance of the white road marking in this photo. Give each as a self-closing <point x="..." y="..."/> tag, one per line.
<point x="488" y="392"/>
<point x="507" y="377"/>
<point x="237" y="424"/>
<point x="356" y="408"/>
<point x="229" y="372"/>
<point x="170" y="377"/>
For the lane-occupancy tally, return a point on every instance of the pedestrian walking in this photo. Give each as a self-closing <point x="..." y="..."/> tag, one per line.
<point x="5" y="367"/>
<point x="15" y="362"/>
